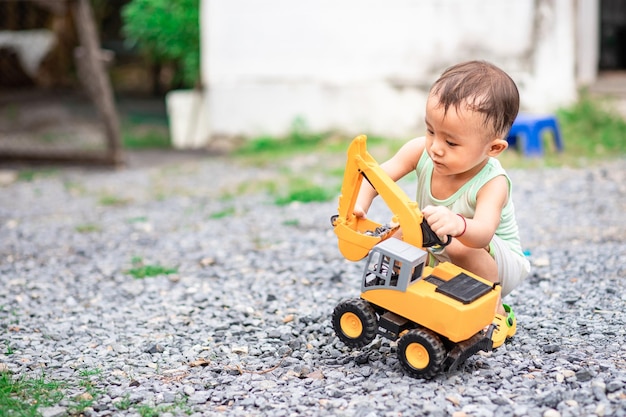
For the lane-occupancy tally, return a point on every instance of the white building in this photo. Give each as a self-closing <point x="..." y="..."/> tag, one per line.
<point x="365" y="66"/>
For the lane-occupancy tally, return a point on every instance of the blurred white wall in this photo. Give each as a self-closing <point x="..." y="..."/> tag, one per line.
<point x="365" y="66"/>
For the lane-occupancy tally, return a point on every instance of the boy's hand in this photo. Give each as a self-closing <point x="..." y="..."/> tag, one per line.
<point x="443" y="221"/>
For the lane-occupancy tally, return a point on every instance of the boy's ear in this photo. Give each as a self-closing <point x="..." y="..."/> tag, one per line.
<point x="497" y="147"/>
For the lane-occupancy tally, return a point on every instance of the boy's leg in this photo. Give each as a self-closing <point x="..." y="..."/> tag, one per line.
<point x="513" y="268"/>
<point x="496" y="263"/>
<point x="477" y="261"/>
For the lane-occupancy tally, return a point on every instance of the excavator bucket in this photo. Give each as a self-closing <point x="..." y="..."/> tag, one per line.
<point x="358" y="236"/>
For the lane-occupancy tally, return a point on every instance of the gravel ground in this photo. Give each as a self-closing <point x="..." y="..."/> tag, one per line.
<point x="243" y="327"/>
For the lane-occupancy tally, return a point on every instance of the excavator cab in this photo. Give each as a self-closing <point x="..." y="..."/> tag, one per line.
<point x="393" y="264"/>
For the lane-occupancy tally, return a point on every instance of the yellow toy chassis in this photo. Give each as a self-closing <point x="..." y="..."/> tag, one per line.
<point x="440" y="316"/>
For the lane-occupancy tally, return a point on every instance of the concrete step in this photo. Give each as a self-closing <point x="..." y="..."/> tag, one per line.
<point x="611" y="85"/>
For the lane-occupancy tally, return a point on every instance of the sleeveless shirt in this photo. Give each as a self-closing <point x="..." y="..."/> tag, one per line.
<point x="463" y="201"/>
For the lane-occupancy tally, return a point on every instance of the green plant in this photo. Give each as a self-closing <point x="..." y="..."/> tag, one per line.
<point x="111" y="200"/>
<point x="145" y="137"/>
<point x="592" y="127"/>
<point x="29" y="175"/>
<point x="91" y="392"/>
<point x="229" y="211"/>
<point x="141" y="270"/>
<point x="299" y="139"/>
<point x="22" y="396"/>
<point x="85" y="373"/>
<point x="166" y="31"/>
<point x="74" y="188"/>
<point x="138" y="219"/>
<point x="146" y="410"/>
<point x="87" y="228"/>
<point x="124" y="403"/>
<point x="303" y="191"/>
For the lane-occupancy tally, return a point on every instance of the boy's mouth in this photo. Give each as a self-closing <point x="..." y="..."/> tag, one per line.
<point x="438" y="163"/>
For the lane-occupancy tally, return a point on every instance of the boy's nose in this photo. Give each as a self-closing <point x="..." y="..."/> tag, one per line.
<point x="436" y="147"/>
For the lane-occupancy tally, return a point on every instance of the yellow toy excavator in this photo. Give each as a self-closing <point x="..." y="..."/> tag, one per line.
<point x="440" y="316"/>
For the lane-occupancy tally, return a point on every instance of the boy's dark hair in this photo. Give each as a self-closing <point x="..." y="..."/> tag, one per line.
<point x="483" y="87"/>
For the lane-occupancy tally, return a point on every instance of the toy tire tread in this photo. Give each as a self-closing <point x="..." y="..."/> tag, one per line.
<point x="355" y="322"/>
<point x="421" y="353"/>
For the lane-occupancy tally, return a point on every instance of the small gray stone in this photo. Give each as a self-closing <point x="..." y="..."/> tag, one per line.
<point x="169" y="397"/>
<point x="583" y="375"/>
<point x="614" y="385"/>
<point x="551" y="348"/>
<point x="199" y="397"/>
<point x="54" y="411"/>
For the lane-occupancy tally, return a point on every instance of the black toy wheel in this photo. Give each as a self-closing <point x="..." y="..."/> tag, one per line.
<point x="421" y="353"/>
<point x="355" y="322"/>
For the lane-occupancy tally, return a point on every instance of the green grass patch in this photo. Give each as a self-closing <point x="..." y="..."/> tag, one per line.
<point x="88" y="381"/>
<point x="303" y="191"/>
<point x="138" y="219"/>
<point x="86" y="373"/>
<point x="88" y="228"/>
<point x="302" y="150"/>
<point x="74" y="188"/>
<point x="23" y="396"/>
<point x="141" y="270"/>
<point x="145" y="138"/>
<point x="300" y="139"/>
<point x="593" y="128"/>
<point x="145" y="131"/>
<point x="147" y="410"/>
<point x="124" y="403"/>
<point x="227" y="212"/>
<point x="29" y="175"/>
<point x="113" y="201"/>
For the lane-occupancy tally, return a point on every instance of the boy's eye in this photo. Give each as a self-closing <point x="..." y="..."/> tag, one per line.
<point x="430" y="132"/>
<point x="452" y="144"/>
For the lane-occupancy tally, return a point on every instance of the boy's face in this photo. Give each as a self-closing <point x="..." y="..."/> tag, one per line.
<point x="458" y="141"/>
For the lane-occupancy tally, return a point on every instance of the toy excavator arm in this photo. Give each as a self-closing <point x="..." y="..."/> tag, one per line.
<point x="357" y="236"/>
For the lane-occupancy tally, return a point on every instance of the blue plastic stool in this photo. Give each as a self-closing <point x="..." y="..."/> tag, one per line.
<point x="526" y="131"/>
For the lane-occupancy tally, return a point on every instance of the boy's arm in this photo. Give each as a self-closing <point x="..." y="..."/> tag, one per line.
<point x="399" y="165"/>
<point x="490" y="201"/>
<point x="476" y="232"/>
